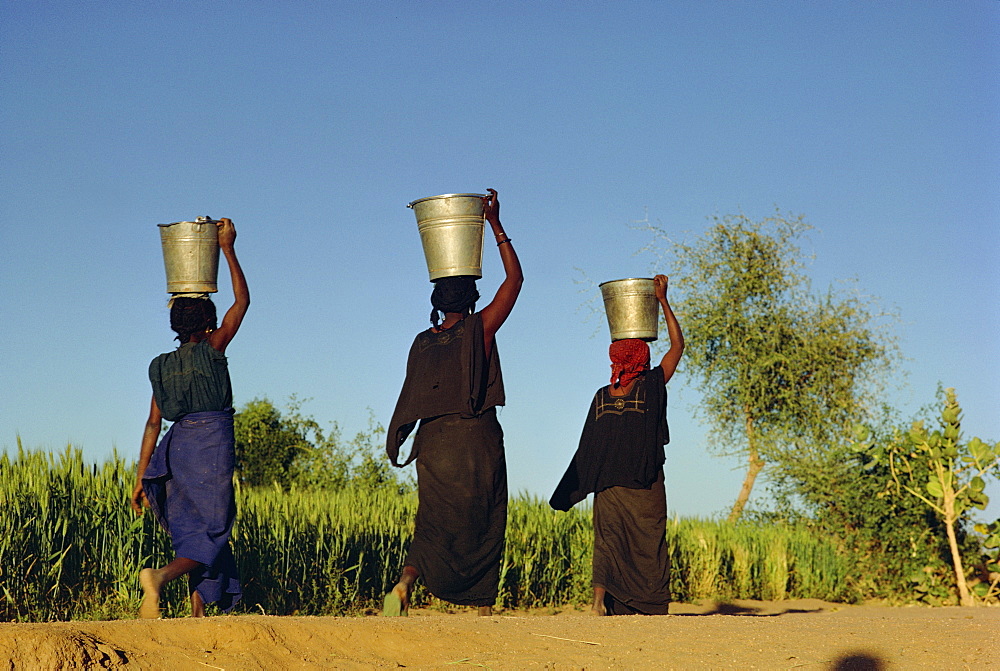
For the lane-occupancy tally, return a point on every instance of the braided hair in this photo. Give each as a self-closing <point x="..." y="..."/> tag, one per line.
<point x="191" y="315"/>
<point x="457" y="293"/>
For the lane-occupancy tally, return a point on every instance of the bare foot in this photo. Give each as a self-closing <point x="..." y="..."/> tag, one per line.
<point x="402" y="591"/>
<point x="197" y="605"/>
<point x="150" y="608"/>
<point x="598" y="607"/>
<point x="397" y="601"/>
<point x="485" y="611"/>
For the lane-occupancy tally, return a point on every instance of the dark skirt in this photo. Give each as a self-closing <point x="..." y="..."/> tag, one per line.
<point x="458" y="541"/>
<point x="631" y="561"/>
<point x="189" y="486"/>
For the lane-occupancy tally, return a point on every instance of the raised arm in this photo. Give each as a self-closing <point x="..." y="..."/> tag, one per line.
<point x="673" y="356"/>
<point x="222" y="336"/>
<point x="149" y="436"/>
<point x="496" y="313"/>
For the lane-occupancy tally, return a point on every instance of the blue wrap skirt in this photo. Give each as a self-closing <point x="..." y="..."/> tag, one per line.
<point x="189" y="487"/>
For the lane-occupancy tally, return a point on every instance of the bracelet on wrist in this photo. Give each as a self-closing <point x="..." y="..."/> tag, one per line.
<point x="505" y="240"/>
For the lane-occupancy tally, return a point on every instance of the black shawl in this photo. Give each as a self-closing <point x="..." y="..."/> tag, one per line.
<point x="622" y="442"/>
<point x="446" y="373"/>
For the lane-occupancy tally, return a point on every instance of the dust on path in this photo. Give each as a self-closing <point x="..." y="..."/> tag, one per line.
<point x="804" y="634"/>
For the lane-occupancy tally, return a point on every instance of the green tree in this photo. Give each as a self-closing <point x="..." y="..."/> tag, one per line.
<point x="290" y="449"/>
<point x="946" y="474"/>
<point x="284" y="448"/>
<point x="990" y="588"/>
<point x="370" y="467"/>
<point x="266" y="446"/>
<point x="783" y="373"/>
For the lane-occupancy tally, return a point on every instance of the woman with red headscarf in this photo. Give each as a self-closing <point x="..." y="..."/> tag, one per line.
<point x="620" y="459"/>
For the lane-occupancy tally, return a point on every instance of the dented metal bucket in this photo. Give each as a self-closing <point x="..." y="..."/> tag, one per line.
<point x="631" y="308"/>
<point x="191" y="255"/>
<point x="451" y="232"/>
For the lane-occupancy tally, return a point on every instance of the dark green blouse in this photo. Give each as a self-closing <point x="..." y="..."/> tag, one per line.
<point x="192" y="378"/>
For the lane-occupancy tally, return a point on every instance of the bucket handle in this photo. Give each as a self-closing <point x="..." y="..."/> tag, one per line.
<point x="204" y="220"/>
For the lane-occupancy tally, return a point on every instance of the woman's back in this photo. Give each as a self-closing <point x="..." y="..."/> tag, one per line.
<point x="192" y="378"/>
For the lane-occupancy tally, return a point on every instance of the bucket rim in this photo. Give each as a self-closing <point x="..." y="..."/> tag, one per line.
<point x="203" y="220"/>
<point x="446" y="195"/>
<point x="625" y="279"/>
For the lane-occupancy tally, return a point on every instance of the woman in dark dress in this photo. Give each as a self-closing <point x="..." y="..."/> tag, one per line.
<point x="452" y="388"/>
<point x="620" y="459"/>
<point x="187" y="479"/>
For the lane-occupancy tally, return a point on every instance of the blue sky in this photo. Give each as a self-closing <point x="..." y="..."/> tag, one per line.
<point x="312" y="124"/>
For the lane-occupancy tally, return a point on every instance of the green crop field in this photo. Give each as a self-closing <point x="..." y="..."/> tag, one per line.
<point x="71" y="548"/>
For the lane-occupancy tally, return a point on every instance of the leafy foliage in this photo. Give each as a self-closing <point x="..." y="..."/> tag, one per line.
<point x="946" y="475"/>
<point x="988" y="588"/>
<point x="292" y="449"/>
<point x="268" y="444"/>
<point x="784" y="374"/>
<point x="841" y="498"/>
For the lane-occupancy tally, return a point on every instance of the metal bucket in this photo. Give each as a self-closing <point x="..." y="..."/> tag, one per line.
<point x="451" y="232"/>
<point x="191" y="255"/>
<point x="632" y="308"/>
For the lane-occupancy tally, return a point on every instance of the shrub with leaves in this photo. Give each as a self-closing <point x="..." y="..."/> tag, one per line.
<point x="948" y="476"/>
<point x="988" y="588"/>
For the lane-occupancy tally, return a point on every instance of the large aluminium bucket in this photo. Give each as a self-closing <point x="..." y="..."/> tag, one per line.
<point x="451" y="232"/>
<point x="191" y="255"/>
<point x="632" y="308"/>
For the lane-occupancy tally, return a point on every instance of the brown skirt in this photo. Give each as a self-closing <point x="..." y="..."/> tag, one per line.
<point x="631" y="561"/>
<point x="458" y="540"/>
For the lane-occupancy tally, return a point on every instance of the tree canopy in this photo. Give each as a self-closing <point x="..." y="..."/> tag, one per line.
<point x="291" y="449"/>
<point x="784" y="373"/>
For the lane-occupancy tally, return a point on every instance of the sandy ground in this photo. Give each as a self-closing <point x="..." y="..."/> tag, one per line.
<point x="803" y="634"/>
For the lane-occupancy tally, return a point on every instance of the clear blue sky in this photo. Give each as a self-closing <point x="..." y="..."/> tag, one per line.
<point x="312" y="124"/>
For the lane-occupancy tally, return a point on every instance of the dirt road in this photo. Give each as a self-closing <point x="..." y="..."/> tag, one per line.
<point x="742" y="635"/>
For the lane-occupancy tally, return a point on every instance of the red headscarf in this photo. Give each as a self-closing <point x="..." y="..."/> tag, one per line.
<point x="629" y="360"/>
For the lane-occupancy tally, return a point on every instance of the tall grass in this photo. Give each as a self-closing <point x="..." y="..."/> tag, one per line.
<point x="320" y="552"/>
<point x="71" y="548"/>
<point x="69" y="545"/>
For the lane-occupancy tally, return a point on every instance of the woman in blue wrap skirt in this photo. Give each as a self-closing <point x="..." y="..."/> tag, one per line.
<point x="187" y="480"/>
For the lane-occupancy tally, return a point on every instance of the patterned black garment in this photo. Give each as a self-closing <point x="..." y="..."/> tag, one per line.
<point x="620" y="460"/>
<point x="622" y="442"/>
<point x="452" y="388"/>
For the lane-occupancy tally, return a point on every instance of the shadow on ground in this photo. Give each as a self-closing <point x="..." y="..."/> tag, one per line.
<point x="751" y="608"/>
